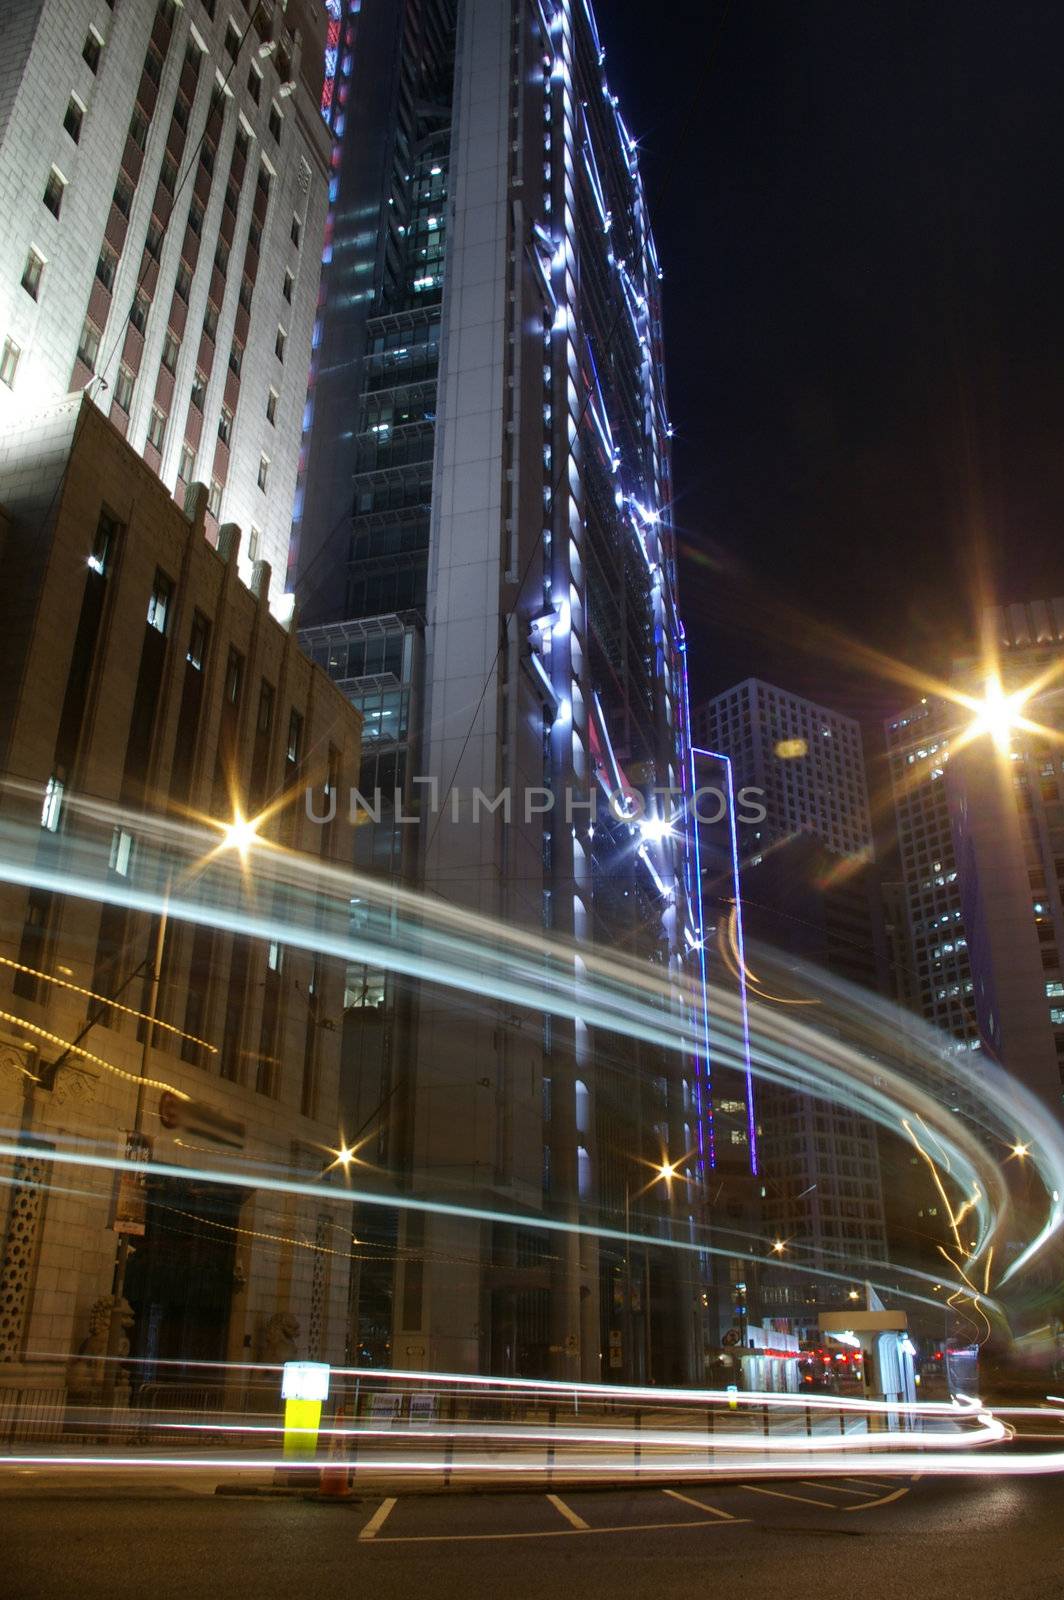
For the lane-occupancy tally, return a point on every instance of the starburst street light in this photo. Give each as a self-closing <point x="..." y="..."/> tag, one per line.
<point x="241" y="834"/>
<point x="778" y="1247"/>
<point x="998" y="713"/>
<point x="1020" y="1150"/>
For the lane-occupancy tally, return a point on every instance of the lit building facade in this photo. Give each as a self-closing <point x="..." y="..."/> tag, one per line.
<point x="144" y="683"/>
<point x="1006" y="804"/>
<point x="487" y="458"/>
<point x="163" y="180"/>
<point x="806" y="761"/>
<point x="807" y="891"/>
<point x="918" y="747"/>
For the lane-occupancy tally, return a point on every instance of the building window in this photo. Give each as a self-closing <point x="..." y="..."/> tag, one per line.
<point x="289" y="285"/>
<point x="255" y="84"/>
<point x="197" y="641"/>
<point x="123" y="195"/>
<point x="90" y="50"/>
<point x="232" y="41"/>
<point x="271" y="407"/>
<point x="168" y="174"/>
<point x="214" y="499"/>
<point x="138" y="315"/>
<point x="153" y="243"/>
<point x="232" y="195"/>
<point x="279" y="344"/>
<point x="159" y="604"/>
<point x="225" y="425"/>
<point x="171" y="351"/>
<point x="262" y="183"/>
<point x="124" y="389"/>
<point x="107" y="266"/>
<point x="75" y="113"/>
<point x="53" y="804"/>
<point x="275" y="124"/>
<point x="31" y="274"/>
<point x="265" y="721"/>
<point x="246" y="291"/>
<point x="103" y="544"/>
<point x="234" y="676"/>
<point x="236" y="357"/>
<point x="294" y="751"/>
<point x="264" y="472"/>
<point x="210" y="320"/>
<point x="195" y="218"/>
<point x="199" y="388"/>
<point x="254" y="543"/>
<point x="188" y="463"/>
<point x="153" y="64"/>
<point x="9" y="362"/>
<point x="121" y="852"/>
<point x="221" y="257"/>
<point x="157" y="432"/>
<point x="53" y="192"/>
<point x="138" y="128"/>
<point x="89" y="344"/>
<point x="297" y="231"/>
<point x="182" y="111"/>
<point x="183" y="285"/>
<point x="243" y="141"/>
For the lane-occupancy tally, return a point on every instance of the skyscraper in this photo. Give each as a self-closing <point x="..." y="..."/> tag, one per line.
<point x="1006" y="795"/>
<point x="918" y="746"/>
<point x="809" y="889"/>
<point x="487" y="478"/>
<point x="805" y="760"/>
<point x="163" y="177"/>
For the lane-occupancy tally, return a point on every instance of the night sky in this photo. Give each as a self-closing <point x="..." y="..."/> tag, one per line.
<point x="862" y="231"/>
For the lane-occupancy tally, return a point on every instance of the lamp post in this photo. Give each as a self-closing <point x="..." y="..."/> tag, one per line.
<point x="664" y="1172"/>
<point x="114" y="1333"/>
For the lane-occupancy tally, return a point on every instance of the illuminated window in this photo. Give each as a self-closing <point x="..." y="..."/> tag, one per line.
<point x="214" y="498"/>
<point x="138" y="315"/>
<point x="188" y="463"/>
<point x="199" y="388"/>
<point x="225" y="425"/>
<point x="271" y="407"/>
<point x="264" y="472"/>
<point x="53" y="804"/>
<point x="159" y="604"/>
<point x="91" y="50"/>
<point x="171" y="350"/>
<point x="124" y="389"/>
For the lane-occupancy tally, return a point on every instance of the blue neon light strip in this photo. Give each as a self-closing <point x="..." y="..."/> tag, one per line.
<point x="743" y="998"/>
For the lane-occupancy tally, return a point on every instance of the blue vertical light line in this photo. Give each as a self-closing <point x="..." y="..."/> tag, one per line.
<point x="743" y="998"/>
<point x="703" y="1069"/>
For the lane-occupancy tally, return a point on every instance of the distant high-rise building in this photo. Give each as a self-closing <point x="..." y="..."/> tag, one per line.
<point x="806" y="760"/>
<point x="163" y="183"/>
<point x="484" y="557"/>
<point x="918" y="748"/>
<point x="1006" y="794"/>
<point x="809" y="888"/>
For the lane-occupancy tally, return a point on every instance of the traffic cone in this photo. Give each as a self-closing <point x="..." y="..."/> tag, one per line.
<point x="334" y="1483"/>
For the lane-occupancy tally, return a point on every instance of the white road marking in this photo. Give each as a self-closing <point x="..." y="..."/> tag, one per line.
<point x="378" y="1519"/>
<point x="688" y="1501"/>
<point x="884" y="1501"/>
<point x="778" y="1494"/>
<point x="570" y="1516"/>
<point x="837" y="1488"/>
<point x="557" y="1533"/>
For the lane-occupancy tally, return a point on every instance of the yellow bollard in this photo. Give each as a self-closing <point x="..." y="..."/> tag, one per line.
<point x="304" y="1388"/>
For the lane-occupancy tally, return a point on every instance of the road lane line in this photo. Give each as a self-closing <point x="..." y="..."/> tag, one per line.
<point x="875" y="1482"/>
<point x="378" y="1519"/>
<point x="688" y="1501"/>
<point x="570" y="1516"/>
<point x="557" y="1533"/>
<point x="836" y="1488"/>
<point x="885" y="1501"/>
<point x="778" y="1494"/>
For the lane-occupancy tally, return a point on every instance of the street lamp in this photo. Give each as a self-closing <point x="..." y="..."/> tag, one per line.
<point x="664" y="1172"/>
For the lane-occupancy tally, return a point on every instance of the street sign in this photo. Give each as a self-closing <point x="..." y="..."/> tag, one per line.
<point x="131" y="1195"/>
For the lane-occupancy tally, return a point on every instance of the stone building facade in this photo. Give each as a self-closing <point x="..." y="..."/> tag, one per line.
<point x="147" y="691"/>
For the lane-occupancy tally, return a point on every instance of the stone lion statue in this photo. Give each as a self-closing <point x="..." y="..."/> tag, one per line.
<point x="86" y="1373"/>
<point x="279" y="1338"/>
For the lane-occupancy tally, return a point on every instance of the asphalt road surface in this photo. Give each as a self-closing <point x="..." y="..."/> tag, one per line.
<point x="826" y="1538"/>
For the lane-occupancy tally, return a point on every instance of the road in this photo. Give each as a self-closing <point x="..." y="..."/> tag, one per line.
<point x="829" y="1538"/>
